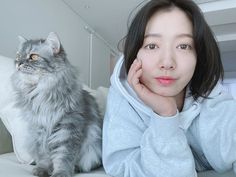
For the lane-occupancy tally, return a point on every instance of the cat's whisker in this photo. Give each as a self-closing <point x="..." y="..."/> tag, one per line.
<point x="18" y="66"/>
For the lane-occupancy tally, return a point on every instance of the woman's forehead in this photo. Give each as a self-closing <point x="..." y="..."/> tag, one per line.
<point x="173" y="21"/>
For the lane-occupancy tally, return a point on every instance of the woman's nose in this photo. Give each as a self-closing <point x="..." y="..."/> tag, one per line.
<point x="167" y="61"/>
<point x="166" y="66"/>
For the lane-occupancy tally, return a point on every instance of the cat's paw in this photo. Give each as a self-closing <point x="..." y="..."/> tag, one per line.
<point x="61" y="174"/>
<point x="41" y="172"/>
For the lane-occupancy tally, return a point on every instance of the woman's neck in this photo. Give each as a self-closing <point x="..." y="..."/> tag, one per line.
<point x="180" y="100"/>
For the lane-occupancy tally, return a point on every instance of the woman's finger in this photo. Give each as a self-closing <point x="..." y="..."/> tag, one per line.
<point x="133" y="69"/>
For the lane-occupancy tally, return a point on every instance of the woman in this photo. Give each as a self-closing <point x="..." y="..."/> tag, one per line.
<point x="167" y="115"/>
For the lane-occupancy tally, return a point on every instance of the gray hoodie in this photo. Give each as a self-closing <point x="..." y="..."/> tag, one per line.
<point x="137" y="142"/>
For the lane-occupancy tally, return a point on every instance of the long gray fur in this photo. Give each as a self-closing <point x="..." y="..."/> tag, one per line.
<point x="64" y="120"/>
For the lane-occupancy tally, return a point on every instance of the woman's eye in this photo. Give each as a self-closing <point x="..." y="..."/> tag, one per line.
<point x="184" y="47"/>
<point x="151" y="46"/>
<point x="34" y="57"/>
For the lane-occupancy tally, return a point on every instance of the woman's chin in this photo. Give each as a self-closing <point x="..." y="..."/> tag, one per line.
<point x="165" y="93"/>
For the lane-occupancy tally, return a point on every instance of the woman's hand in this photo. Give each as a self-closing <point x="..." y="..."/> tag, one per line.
<point x="164" y="106"/>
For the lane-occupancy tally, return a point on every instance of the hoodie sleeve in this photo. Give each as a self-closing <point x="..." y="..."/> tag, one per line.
<point x="217" y="128"/>
<point x="134" y="148"/>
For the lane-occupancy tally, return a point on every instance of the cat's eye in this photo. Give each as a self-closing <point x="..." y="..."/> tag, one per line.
<point x="34" y="57"/>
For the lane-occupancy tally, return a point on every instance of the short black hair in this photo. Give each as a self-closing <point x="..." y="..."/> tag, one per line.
<point x="209" y="69"/>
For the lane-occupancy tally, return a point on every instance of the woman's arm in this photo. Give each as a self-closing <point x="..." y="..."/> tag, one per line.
<point x="217" y="128"/>
<point x="134" y="148"/>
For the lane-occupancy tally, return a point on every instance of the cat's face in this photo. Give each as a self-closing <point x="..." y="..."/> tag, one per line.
<point x="39" y="57"/>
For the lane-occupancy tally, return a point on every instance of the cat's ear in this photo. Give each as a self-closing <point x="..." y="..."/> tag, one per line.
<point x="21" y="39"/>
<point x="54" y="42"/>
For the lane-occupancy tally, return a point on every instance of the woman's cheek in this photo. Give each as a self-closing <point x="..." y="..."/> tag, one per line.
<point x="141" y="55"/>
<point x="146" y="57"/>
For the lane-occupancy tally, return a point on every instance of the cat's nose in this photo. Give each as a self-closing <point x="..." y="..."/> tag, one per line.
<point x="18" y="65"/>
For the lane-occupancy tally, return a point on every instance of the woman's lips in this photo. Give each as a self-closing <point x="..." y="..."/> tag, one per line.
<point x="165" y="80"/>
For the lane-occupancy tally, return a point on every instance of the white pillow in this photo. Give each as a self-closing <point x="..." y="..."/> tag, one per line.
<point x="100" y="94"/>
<point x="9" y="114"/>
<point x="229" y="85"/>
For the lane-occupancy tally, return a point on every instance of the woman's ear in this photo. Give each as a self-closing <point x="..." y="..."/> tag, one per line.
<point x="54" y="42"/>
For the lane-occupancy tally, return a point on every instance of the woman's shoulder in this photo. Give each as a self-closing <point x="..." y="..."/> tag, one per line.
<point x="218" y="107"/>
<point x="220" y="98"/>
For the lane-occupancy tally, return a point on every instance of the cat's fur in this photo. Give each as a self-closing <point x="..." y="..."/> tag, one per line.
<point x="64" y="120"/>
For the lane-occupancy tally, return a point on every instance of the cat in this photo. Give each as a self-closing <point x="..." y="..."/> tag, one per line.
<point x="65" y="124"/>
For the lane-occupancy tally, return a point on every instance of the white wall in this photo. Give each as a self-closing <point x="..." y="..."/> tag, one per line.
<point x="35" y="19"/>
<point x="229" y="63"/>
<point x="99" y="73"/>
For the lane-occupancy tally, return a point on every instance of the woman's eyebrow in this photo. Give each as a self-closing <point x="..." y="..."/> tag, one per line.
<point x="152" y="35"/>
<point x="177" y="36"/>
<point x="185" y="35"/>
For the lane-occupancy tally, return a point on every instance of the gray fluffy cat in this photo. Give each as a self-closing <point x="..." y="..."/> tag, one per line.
<point x="64" y="120"/>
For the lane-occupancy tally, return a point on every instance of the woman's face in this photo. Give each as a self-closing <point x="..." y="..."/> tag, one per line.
<point x="168" y="55"/>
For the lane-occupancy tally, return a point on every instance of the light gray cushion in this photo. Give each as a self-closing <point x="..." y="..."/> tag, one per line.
<point x="10" y="167"/>
<point x="5" y="139"/>
<point x="212" y="173"/>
